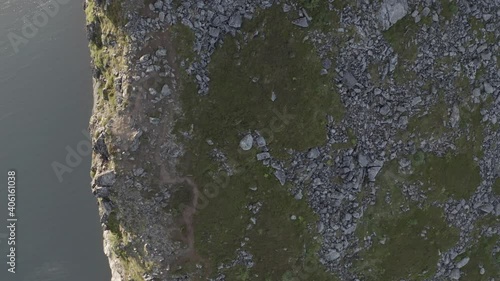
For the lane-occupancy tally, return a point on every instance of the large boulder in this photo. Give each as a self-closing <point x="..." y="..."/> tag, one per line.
<point x="392" y="11"/>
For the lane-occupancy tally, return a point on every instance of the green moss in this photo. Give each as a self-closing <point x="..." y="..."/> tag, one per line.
<point x="432" y="123"/>
<point x="114" y="225"/>
<point x="399" y="250"/>
<point x="401" y="36"/>
<point x="449" y="9"/>
<point x="244" y="73"/>
<point x="184" y="39"/>
<point x="243" y="78"/>
<point x="482" y="254"/>
<point x="496" y="187"/>
<point x="454" y="176"/>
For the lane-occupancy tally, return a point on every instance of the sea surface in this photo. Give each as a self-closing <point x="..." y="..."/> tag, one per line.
<point x="45" y="106"/>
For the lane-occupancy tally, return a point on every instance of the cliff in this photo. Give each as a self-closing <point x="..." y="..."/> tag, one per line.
<point x="297" y="140"/>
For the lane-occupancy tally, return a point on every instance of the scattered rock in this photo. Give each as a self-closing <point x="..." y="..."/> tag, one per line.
<point x="302" y="22"/>
<point x="247" y="142"/>
<point x="392" y="11"/>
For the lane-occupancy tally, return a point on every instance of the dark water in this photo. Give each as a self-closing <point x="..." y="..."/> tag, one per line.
<point x="45" y="103"/>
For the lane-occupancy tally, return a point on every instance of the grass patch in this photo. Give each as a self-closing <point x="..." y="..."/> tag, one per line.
<point x="243" y="78"/>
<point x="449" y="8"/>
<point x="244" y="73"/>
<point x="454" y="176"/>
<point x="482" y="254"/>
<point x="399" y="250"/>
<point x="432" y="123"/>
<point x="496" y="187"/>
<point x="401" y="36"/>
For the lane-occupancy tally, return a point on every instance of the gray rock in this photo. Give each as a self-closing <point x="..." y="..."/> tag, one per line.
<point x="487" y="208"/>
<point x="349" y="79"/>
<point x="463" y="262"/>
<point x="261" y="142"/>
<point x="332" y="255"/>
<point x="299" y="195"/>
<point x="165" y="90"/>
<point x="214" y="31"/>
<point x="280" y="175"/>
<point x="101" y="148"/>
<point x="455" y="274"/>
<point x="302" y="22"/>
<point x="158" y="4"/>
<point x="154" y="120"/>
<point x="246" y="142"/>
<point x="263" y="156"/>
<point x="384" y="110"/>
<point x="488" y="88"/>
<point x="286" y="8"/>
<point x="455" y="116"/>
<point x="392" y="11"/>
<point x="313" y="153"/>
<point x="105" y="179"/>
<point x="235" y="20"/>
<point x="426" y="11"/>
<point x="161" y="16"/>
<point x="497" y="209"/>
<point x="327" y="63"/>
<point x="375" y="168"/>
<point x="363" y="160"/>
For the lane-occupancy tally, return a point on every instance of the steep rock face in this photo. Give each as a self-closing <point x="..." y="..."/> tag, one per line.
<point x="307" y="140"/>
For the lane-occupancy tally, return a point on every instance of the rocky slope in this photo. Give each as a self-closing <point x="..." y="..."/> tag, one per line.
<point x="297" y="140"/>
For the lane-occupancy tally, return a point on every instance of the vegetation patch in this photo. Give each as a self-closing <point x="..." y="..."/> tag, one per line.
<point x="246" y="72"/>
<point x="406" y="238"/>
<point x="455" y="176"/>
<point x="482" y="255"/>
<point x="496" y="187"/>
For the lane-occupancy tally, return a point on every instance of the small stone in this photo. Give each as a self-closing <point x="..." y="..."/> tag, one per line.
<point x="327" y="63"/>
<point x="313" y="153"/>
<point x="247" y="142"/>
<point x="463" y="262"/>
<point x="235" y="20"/>
<point x="384" y="110"/>
<point x="488" y="88"/>
<point x="165" y="90"/>
<point x="301" y="22"/>
<point x="299" y="195"/>
<point x="363" y="160"/>
<point x="293" y="217"/>
<point x="214" y="32"/>
<point x="455" y="116"/>
<point x="455" y="274"/>
<point x="482" y="271"/>
<point x="263" y="156"/>
<point x="273" y="96"/>
<point x="286" y="8"/>
<point x="332" y="255"/>
<point x="497" y="210"/>
<point x="487" y="208"/>
<point x="152" y="91"/>
<point x="349" y="79"/>
<point x="426" y="11"/>
<point x="261" y="142"/>
<point x="161" y="16"/>
<point x="105" y="179"/>
<point x="280" y="175"/>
